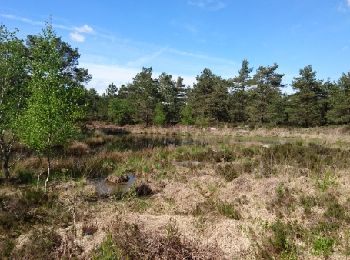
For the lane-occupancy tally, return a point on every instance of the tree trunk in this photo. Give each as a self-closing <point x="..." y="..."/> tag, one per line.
<point x="5" y="167"/>
<point x="48" y="171"/>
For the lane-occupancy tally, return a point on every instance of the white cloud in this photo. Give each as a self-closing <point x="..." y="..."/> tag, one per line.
<point x="84" y="29"/>
<point x="76" y="33"/>
<point x="211" y="5"/>
<point x="77" y="37"/>
<point x="343" y="6"/>
<point x="104" y="74"/>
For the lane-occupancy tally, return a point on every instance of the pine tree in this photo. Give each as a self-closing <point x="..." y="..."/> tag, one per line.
<point x="239" y="96"/>
<point x="112" y="90"/>
<point x="339" y="112"/>
<point x="209" y="98"/>
<point x="144" y="94"/>
<point x="265" y="95"/>
<point x="306" y="107"/>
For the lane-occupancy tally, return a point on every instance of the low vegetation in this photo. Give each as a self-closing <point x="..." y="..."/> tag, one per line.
<point x="74" y="186"/>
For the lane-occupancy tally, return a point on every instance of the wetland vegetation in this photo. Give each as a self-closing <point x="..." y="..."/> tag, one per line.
<point x="156" y="170"/>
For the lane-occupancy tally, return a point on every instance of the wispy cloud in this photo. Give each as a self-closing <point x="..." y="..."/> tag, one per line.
<point x="84" y="29"/>
<point x="191" y="28"/>
<point x="127" y="56"/>
<point x="146" y="59"/>
<point x="344" y="6"/>
<point x="211" y="5"/>
<point x="202" y="56"/>
<point x="76" y="33"/>
<point x="77" y="37"/>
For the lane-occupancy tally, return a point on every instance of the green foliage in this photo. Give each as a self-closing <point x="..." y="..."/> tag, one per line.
<point x="308" y="202"/>
<point x="339" y="112"/>
<point x="6" y="248"/>
<point x="120" y="111"/>
<point x="228" y="171"/>
<point x="202" y="121"/>
<point x="159" y="115"/>
<point x="326" y="181"/>
<point x="144" y="94"/>
<point x="112" y="90"/>
<point x="281" y="240"/>
<point x="187" y="115"/>
<point x="56" y="94"/>
<point x="53" y="105"/>
<point x="228" y="210"/>
<point x="265" y="95"/>
<point x="108" y="250"/>
<point x="209" y="97"/>
<point x="323" y="246"/>
<point x="238" y="99"/>
<point x="307" y="107"/>
<point x="13" y="91"/>
<point x="172" y="95"/>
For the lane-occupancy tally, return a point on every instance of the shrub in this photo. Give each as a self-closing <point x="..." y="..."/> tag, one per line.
<point x="228" y="210"/>
<point x="335" y="211"/>
<point x="108" y="251"/>
<point x="159" y="115"/>
<point x="6" y="247"/>
<point x="26" y="176"/>
<point x="280" y="244"/>
<point x="323" y="246"/>
<point x="308" y="202"/>
<point x="228" y="171"/>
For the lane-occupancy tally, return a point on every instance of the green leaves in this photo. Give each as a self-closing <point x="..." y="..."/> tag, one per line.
<point x="13" y="90"/>
<point x="56" y="94"/>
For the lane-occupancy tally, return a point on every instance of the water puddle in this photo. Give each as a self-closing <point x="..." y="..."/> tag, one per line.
<point x="104" y="188"/>
<point x="139" y="142"/>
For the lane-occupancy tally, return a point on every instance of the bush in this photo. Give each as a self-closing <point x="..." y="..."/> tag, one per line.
<point x="308" y="202"/>
<point x="280" y="244"/>
<point x="6" y="247"/>
<point x="187" y="115"/>
<point x="159" y="115"/>
<point x="335" y="211"/>
<point x="26" y="176"/>
<point x="323" y="246"/>
<point x="228" y="210"/>
<point x="108" y="251"/>
<point x="228" y="171"/>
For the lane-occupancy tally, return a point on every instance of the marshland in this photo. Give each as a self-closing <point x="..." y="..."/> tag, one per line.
<point x="227" y="168"/>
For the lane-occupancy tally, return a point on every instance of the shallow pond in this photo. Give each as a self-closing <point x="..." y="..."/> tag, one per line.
<point x="134" y="142"/>
<point x="103" y="187"/>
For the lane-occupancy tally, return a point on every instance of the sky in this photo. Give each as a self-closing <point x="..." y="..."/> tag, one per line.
<point x="182" y="37"/>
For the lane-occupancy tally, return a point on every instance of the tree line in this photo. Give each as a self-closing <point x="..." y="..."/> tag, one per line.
<point x="247" y="99"/>
<point x="43" y="96"/>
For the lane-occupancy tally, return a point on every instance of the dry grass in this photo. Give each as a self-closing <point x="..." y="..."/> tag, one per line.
<point x="230" y="200"/>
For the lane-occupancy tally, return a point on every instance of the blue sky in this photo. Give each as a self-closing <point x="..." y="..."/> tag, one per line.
<point x="182" y="37"/>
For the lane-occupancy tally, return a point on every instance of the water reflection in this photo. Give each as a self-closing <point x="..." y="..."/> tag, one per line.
<point x="103" y="187"/>
<point x="139" y="142"/>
